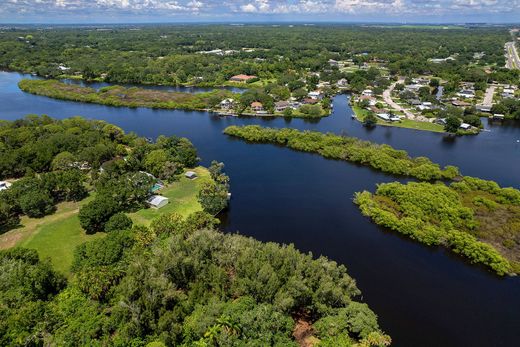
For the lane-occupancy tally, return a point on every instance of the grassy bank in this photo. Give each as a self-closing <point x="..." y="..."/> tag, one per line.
<point x="127" y="97"/>
<point x="404" y="123"/>
<point x="474" y="218"/>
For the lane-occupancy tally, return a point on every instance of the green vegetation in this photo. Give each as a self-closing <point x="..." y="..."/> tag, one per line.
<point x="474" y="218"/>
<point x="121" y="96"/>
<point x="379" y="157"/>
<point x="180" y="282"/>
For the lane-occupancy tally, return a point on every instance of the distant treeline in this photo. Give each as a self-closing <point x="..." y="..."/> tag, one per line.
<point x="380" y="157"/>
<point x="168" y="54"/>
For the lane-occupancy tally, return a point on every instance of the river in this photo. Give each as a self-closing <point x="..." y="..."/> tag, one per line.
<point x="423" y="296"/>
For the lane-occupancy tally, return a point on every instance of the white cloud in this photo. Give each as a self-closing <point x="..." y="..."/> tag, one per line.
<point x="230" y="8"/>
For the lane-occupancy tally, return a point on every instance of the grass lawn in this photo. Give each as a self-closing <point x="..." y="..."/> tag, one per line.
<point x="182" y="197"/>
<point x="57" y="235"/>
<point x="54" y="236"/>
<point x="404" y="123"/>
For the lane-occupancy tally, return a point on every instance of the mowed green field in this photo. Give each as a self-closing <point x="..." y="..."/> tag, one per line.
<point x="57" y="235"/>
<point x="182" y="197"/>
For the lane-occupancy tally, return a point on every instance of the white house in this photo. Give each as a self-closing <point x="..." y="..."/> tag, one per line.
<point x="4" y="185"/>
<point x="342" y="83"/>
<point x="157" y="201"/>
<point x="384" y="116"/>
<point x="367" y="92"/>
<point x="227" y="104"/>
<point x="465" y="126"/>
<point x="315" y="94"/>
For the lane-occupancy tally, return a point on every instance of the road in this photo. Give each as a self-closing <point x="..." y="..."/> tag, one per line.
<point x="387" y="96"/>
<point x="513" y="61"/>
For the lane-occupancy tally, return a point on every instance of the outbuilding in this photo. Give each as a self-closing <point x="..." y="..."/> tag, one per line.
<point x="4" y="185"/>
<point x="191" y="175"/>
<point x="157" y="201"/>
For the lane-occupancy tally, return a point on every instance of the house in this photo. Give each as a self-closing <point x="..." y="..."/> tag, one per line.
<point x="4" y="185"/>
<point x="342" y="83"/>
<point x="280" y="106"/>
<point x="414" y="102"/>
<point x="395" y="118"/>
<point x="315" y="95"/>
<point x="460" y="103"/>
<point x="466" y="93"/>
<point x="440" y="121"/>
<point x="508" y="93"/>
<point x="371" y="100"/>
<point x="157" y="201"/>
<point x="191" y="175"/>
<point x="310" y="101"/>
<point x="333" y="62"/>
<point x="227" y="104"/>
<point x="384" y="116"/>
<point x="367" y="92"/>
<point x="484" y="108"/>
<point x="257" y="106"/>
<point x="242" y="78"/>
<point x="465" y="126"/>
<point x="498" y="116"/>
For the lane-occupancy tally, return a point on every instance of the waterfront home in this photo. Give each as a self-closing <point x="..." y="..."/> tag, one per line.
<point x="465" y="126"/>
<point x="227" y="104"/>
<point x="280" y="106"/>
<point x="440" y="121"/>
<point x="384" y="116"/>
<point x="191" y="175"/>
<point x="257" y="106"/>
<point x="4" y="185"/>
<point x="371" y="100"/>
<point x="242" y="78"/>
<point x="498" y="116"/>
<point x="157" y="201"/>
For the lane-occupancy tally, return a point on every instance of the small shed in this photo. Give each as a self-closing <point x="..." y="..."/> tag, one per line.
<point x="4" y="185"/>
<point x="191" y="175"/>
<point x="157" y="201"/>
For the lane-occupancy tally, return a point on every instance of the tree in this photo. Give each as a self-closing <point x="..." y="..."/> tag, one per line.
<point x="95" y="214"/>
<point x="36" y="203"/>
<point x="370" y="120"/>
<point x="62" y="161"/>
<point x="213" y="197"/>
<point x="119" y="221"/>
<point x="452" y="124"/>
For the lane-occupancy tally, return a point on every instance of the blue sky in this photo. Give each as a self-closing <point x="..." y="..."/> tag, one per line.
<point x="133" y="11"/>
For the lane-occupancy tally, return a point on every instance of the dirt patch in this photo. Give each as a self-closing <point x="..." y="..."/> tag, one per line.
<point x="303" y="333"/>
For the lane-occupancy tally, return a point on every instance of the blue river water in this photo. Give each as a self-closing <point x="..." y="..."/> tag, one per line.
<point x="423" y="296"/>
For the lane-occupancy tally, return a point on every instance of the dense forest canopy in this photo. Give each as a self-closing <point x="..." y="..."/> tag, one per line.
<point x="168" y="54"/>
<point x="181" y="283"/>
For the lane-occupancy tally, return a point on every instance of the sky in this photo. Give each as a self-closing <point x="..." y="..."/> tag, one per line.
<point x="149" y="11"/>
